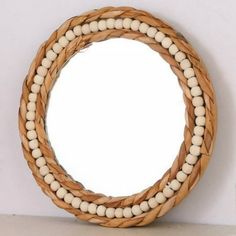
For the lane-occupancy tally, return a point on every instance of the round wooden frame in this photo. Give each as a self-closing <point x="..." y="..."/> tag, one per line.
<point x="199" y="133"/>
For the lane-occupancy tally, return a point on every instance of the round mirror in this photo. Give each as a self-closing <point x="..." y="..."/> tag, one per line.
<point x="111" y="120"/>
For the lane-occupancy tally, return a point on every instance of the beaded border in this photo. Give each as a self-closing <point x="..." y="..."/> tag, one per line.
<point x="31" y="141"/>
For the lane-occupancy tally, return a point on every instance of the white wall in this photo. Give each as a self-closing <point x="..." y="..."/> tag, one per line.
<point x="208" y="24"/>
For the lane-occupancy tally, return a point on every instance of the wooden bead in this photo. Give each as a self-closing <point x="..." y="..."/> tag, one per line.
<point x="70" y="35"/>
<point x="180" y="56"/>
<point x="40" y="162"/>
<point x="168" y="192"/>
<point x="181" y="176"/>
<point x="136" y="210"/>
<point x="32" y="97"/>
<point x="198" y="130"/>
<point x="54" y="185"/>
<point x="102" y="25"/>
<point x="30" y="115"/>
<point x="63" y="41"/>
<point x="110" y="212"/>
<point x="85" y="29"/>
<point x="84" y="206"/>
<point x="144" y="206"/>
<point x="111" y="23"/>
<point x="143" y="28"/>
<point x="46" y="63"/>
<point x="93" y="26"/>
<point x="31" y="106"/>
<point x="127" y="23"/>
<point x="160" y="198"/>
<point x="35" y="88"/>
<point x="118" y="23"/>
<point x="199" y="111"/>
<point x="190" y="159"/>
<point x="189" y="72"/>
<point x="152" y="202"/>
<point x="127" y="212"/>
<point x="197" y="101"/>
<point x="187" y="169"/>
<point x="68" y="198"/>
<point x="119" y="212"/>
<point x="42" y="71"/>
<point x="175" y="185"/>
<point x="151" y="32"/>
<point x="173" y="49"/>
<point x="135" y="25"/>
<point x="49" y="178"/>
<point x="159" y="36"/>
<point x="36" y="153"/>
<point x="57" y="48"/>
<point x="43" y="170"/>
<point x="30" y="125"/>
<point x="196" y="91"/>
<point x="101" y="210"/>
<point x="76" y="202"/>
<point x="92" y="208"/>
<point x="61" y="192"/>
<point x="166" y="42"/>
<point x="192" y="82"/>
<point x="185" y="64"/>
<point x="197" y="140"/>
<point x="50" y="55"/>
<point x="33" y="144"/>
<point x="195" y="150"/>
<point x="38" y="79"/>
<point x="77" y="30"/>
<point x="200" y="121"/>
<point x="31" y="134"/>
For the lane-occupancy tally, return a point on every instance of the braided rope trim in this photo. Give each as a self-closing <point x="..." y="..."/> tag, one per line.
<point x="199" y="133"/>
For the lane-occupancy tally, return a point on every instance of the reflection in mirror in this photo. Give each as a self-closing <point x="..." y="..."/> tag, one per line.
<point x="116" y="116"/>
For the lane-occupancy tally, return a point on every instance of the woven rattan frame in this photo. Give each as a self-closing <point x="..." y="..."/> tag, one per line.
<point x="60" y="174"/>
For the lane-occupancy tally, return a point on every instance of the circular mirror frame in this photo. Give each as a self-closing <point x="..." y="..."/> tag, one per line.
<point x="76" y="34"/>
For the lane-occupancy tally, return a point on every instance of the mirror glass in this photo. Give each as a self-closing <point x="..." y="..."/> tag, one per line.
<point x="116" y="117"/>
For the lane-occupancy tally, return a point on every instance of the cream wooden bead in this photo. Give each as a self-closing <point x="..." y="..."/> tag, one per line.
<point x="199" y="111"/>
<point x="31" y="106"/>
<point x="189" y="72"/>
<point x="144" y="206"/>
<point x="111" y="23"/>
<point x="32" y="97"/>
<point x="36" y="153"/>
<point x="77" y="30"/>
<point x="38" y="79"/>
<point x="175" y="185"/>
<point x="173" y="49"/>
<point x="68" y="198"/>
<point x="85" y="29"/>
<point x="119" y="212"/>
<point x="92" y="208"/>
<point x="197" y="101"/>
<point x="42" y="71"/>
<point x="70" y="35"/>
<point x="31" y="134"/>
<point x="63" y="41"/>
<point x="76" y="202"/>
<point x="84" y="206"/>
<point x="30" y="115"/>
<point x="35" y="88"/>
<point x="50" y="55"/>
<point x="181" y="176"/>
<point x="200" y="121"/>
<point x="196" y="91"/>
<point x="102" y="25"/>
<point x="110" y="212"/>
<point x="118" y="23"/>
<point x="187" y="169"/>
<point x="43" y="170"/>
<point x="61" y="192"/>
<point x="168" y="192"/>
<point x="127" y="212"/>
<point x="57" y="48"/>
<point x="135" y="25"/>
<point x="192" y="82"/>
<point x="152" y="202"/>
<point x="190" y="159"/>
<point x="160" y="198"/>
<point x="180" y="56"/>
<point x="151" y="32"/>
<point x="159" y="36"/>
<point x="46" y="63"/>
<point x="101" y="210"/>
<point x="185" y="64"/>
<point x="127" y="23"/>
<point x="40" y="162"/>
<point x="197" y="140"/>
<point x="198" y="130"/>
<point x="55" y="185"/>
<point x="49" y="178"/>
<point x="143" y="28"/>
<point x="195" y="150"/>
<point x="166" y="42"/>
<point x="33" y="144"/>
<point x="30" y="125"/>
<point x="136" y="210"/>
<point x="93" y="26"/>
